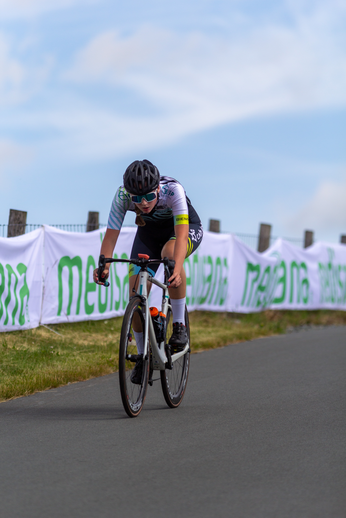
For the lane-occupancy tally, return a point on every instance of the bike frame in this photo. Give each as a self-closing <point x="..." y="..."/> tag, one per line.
<point x="158" y="352"/>
<point x="159" y="356"/>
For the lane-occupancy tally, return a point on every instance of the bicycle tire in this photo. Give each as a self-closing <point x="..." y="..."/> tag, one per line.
<point x="132" y="395"/>
<point x="174" y="381"/>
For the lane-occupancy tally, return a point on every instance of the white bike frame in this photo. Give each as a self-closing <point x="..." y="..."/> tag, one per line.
<point x="158" y="352"/>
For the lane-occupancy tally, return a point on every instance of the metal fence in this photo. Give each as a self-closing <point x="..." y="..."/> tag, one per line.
<point x="252" y="240"/>
<point x="249" y="239"/>
<point x="77" y="227"/>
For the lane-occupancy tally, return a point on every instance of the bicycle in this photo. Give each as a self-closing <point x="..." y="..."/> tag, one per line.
<point x="157" y="356"/>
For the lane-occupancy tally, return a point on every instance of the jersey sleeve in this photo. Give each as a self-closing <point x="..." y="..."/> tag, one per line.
<point x="179" y="205"/>
<point x="120" y="206"/>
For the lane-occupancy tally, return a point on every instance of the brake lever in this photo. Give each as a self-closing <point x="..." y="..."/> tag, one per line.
<point x="169" y="268"/>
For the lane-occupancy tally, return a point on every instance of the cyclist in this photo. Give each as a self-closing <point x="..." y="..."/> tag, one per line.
<point x="168" y="226"/>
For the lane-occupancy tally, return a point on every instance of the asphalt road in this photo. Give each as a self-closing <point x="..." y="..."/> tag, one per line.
<point x="261" y="433"/>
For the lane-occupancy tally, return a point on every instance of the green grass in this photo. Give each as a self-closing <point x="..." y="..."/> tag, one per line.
<point x="39" y="359"/>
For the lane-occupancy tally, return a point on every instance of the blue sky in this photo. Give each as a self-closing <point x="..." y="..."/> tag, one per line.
<point x="243" y="101"/>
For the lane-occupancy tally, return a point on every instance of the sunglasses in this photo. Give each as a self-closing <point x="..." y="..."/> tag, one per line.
<point x="148" y="197"/>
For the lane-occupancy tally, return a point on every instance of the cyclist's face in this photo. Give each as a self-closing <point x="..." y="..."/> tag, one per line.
<point x="147" y="206"/>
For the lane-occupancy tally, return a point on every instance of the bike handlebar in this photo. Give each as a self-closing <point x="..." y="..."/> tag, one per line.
<point x="143" y="261"/>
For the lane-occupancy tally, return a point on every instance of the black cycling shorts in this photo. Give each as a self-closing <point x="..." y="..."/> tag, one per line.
<point x="150" y="240"/>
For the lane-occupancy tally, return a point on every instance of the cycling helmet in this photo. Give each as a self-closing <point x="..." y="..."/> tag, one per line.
<point x="141" y="177"/>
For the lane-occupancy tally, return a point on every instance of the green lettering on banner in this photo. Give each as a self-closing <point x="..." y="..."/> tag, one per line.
<point x="90" y="287"/>
<point x="8" y="298"/>
<point x="281" y="280"/>
<point x="272" y="285"/>
<point x="323" y="280"/>
<point x="217" y="274"/>
<point x="262" y="288"/>
<point x="332" y="287"/>
<point x="305" y="284"/>
<point x="67" y="262"/>
<point x="267" y="283"/>
<point x="2" y="289"/>
<point x="250" y="269"/>
<point x="295" y="268"/>
<point x="207" y="280"/>
<point x="224" y="284"/>
<point x="23" y="292"/>
<point x="302" y="286"/>
<point x="342" y="268"/>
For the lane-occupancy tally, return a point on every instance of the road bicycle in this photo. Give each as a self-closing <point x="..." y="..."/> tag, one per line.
<point x="158" y="355"/>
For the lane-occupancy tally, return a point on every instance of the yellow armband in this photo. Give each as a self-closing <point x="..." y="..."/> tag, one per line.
<point x="181" y="219"/>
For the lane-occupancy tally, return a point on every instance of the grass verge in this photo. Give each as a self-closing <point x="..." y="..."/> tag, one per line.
<point x="39" y="359"/>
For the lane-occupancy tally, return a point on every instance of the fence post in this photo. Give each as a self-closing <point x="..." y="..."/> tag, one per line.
<point x="16" y="223"/>
<point x="264" y="237"/>
<point x="343" y="239"/>
<point x="93" y="221"/>
<point x="308" y="238"/>
<point x="214" y="225"/>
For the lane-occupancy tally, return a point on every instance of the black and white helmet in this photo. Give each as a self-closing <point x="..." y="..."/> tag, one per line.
<point x="141" y="177"/>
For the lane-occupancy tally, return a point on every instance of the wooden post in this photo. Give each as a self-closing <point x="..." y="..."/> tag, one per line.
<point x="16" y="223"/>
<point x="264" y="237"/>
<point x="343" y="239"/>
<point x="93" y="221"/>
<point x="214" y="225"/>
<point x="308" y="238"/>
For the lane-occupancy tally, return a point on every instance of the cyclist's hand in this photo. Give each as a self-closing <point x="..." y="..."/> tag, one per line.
<point x="104" y="276"/>
<point x="175" y="280"/>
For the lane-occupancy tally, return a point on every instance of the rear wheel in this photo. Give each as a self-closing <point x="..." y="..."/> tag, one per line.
<point x="132" y="394"/>
<point x="173" y="381"/>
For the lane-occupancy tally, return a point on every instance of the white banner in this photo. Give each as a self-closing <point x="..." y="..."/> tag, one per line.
<point x="207" y="274"/>
<point x="21" y="281"/>
<point x="312" y="278"/>
<point x="223" y="274"/>
<point x="70" y="295"/>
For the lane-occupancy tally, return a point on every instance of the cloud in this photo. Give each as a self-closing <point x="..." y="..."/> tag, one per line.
<point x="19" y="78"/>
<point x="195" y="81"/>
<point x="11" y="75"/>
<point x="29" y="8"/>
<point x="271" y="69"/>
<point x="325" y="211"/>
<point x="185" y="82"/>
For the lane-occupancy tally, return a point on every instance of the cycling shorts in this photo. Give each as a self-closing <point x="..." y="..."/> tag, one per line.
<point x="150" y="240"/>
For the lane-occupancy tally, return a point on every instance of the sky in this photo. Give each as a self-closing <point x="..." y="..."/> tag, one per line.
<point x="243" y="101"/>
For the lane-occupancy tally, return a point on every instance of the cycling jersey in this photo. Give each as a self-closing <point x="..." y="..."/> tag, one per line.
<point x="172" y="204"/>
<point x="173" y="207"/>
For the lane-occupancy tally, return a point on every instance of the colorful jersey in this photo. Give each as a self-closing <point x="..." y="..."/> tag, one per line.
<point x="172" y="204"/>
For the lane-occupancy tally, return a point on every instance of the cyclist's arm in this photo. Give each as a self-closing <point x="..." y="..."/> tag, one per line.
<point x="180" y="248"/>
<point x="107" y="248"/>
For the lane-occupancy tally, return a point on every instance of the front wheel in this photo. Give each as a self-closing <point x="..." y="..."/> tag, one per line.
<point x="132" y="394"/>
<point x="173" y="381"/>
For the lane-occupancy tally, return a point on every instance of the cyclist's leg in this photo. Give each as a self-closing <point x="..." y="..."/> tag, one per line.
<point x="195" y="238"/>
<point x="178" y="295"/>
<point x="168" y="251"/>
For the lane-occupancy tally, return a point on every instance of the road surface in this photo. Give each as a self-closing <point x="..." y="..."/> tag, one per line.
<point x="261" y="433"/>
